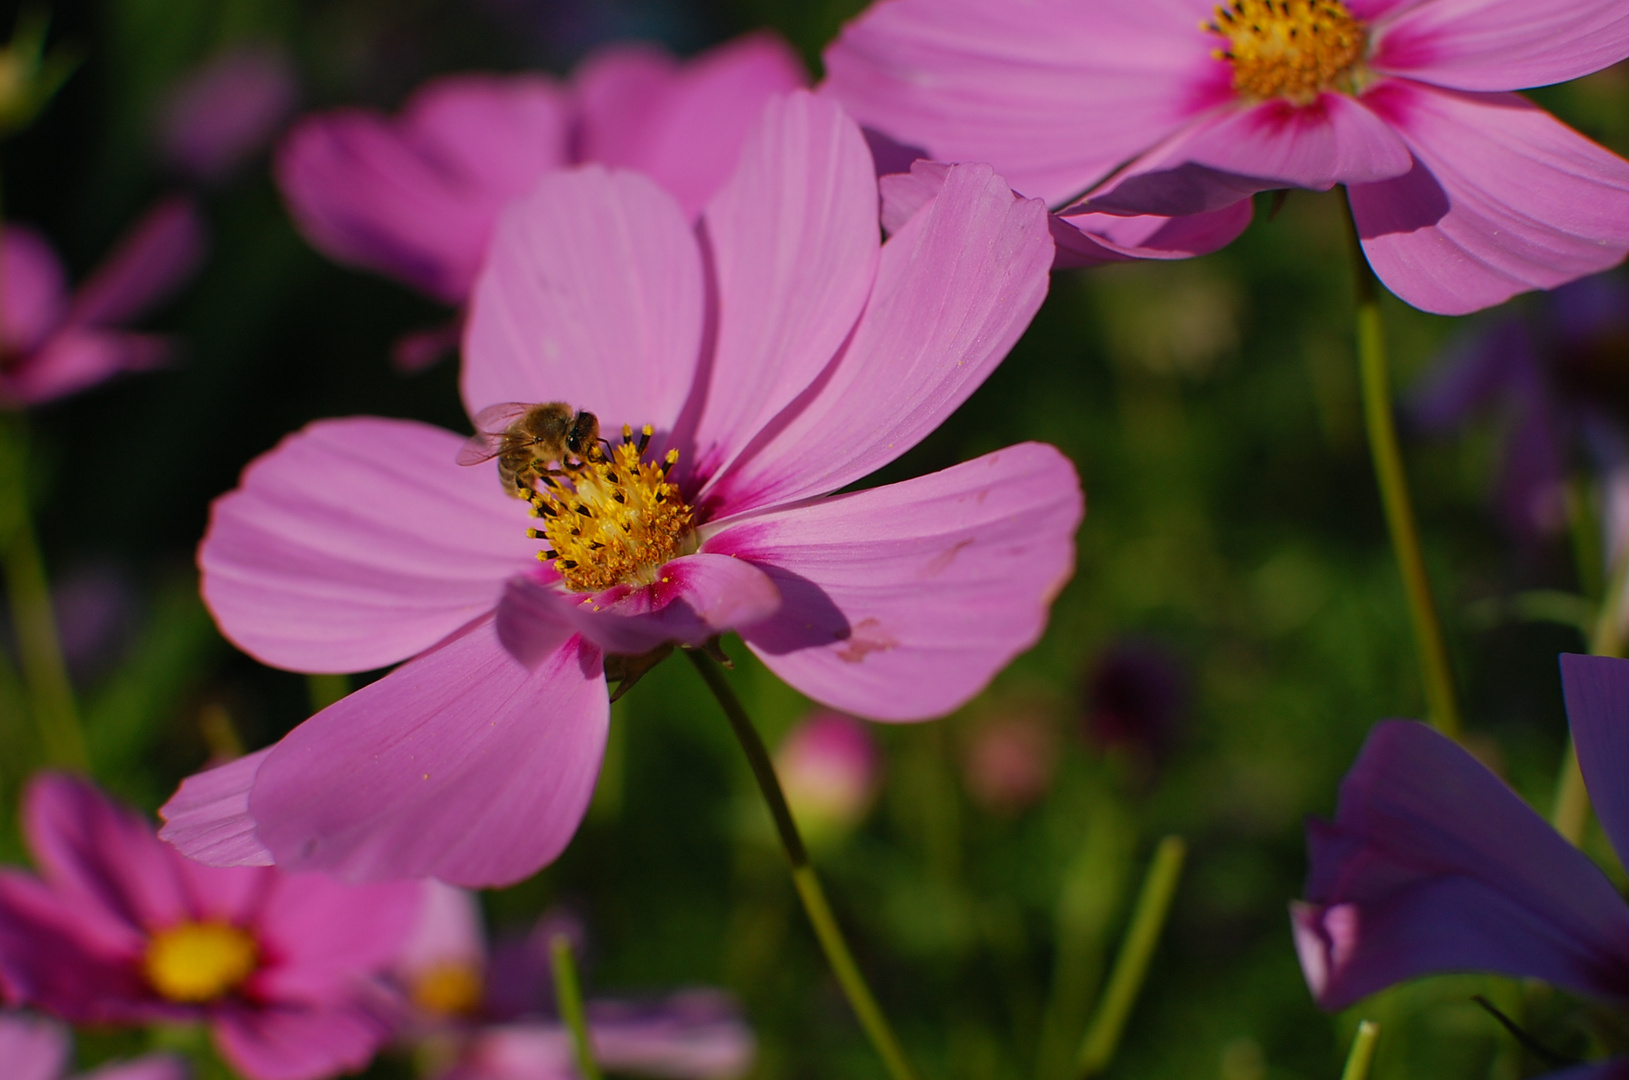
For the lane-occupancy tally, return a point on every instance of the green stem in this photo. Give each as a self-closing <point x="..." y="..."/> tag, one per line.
<point x="324" y="690"/>
<point x="1130" y="967"/>
<point x="39" y="652"/>
<point x="1362" y="1053"/>
<point x="1442" y="706"/>
<point x="804" y="879"/>
<point x="568" y="995"/>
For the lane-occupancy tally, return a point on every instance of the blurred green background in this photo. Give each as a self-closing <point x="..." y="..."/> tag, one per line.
<point x="1233" y="533"/>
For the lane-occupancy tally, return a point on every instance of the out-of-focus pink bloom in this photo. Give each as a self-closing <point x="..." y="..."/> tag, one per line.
<point x="96" y="613"/>
<point x="121" y="929"/>
<point x="1464" y="194"/>
<point x="35" y="1049"/>
<point x="1433" y="865"/>
<point x="417" y="196"/>
<point x="797" y="356"/>
<point x="53" y="343"/>
<point x="1010" y="759"/>
<point x="1136" y="698"/>
<point x="226" y="111"/>
<point x="830" y="768"/>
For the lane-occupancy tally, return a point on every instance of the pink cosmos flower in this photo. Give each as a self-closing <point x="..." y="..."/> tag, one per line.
<point x="830" y="768"/>
<point x="774" y="354"/>
<point x="34" y="1049"/>
<point x="1433" y="864"/>
<point x="227" y="111"/>
<point x="457" y="986"/>
<point x="120" y="929"/>
<point x="416" y="197"/>
<point x="53" y="344"/>
<point x="1464" y="193"/>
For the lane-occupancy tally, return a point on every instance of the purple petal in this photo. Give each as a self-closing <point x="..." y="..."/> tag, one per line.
<point x="955" y="289"/>
<point x="684" y="125"/>
<point x="78" y="358"/>
<point x="593" y="296"/>
<point x="1495" y="361"/>
<point x="793" y="239"/>
<point x="696" y="598"/>
<point x="32" y="1049"/>
<point x="149" y="263"/>
<point x="448" y="930"/>
<point x="902" y="602"/>
<point x="323" y="937"/>
<point x="1503" y="198"/>
<point x="418" y="349"/>
<point x="1432" y="864"/>
<point x="462" y="765"/>
<point x="1597" y="692"/>
<point x="417" y="197"/>
<point x="695" y="1034"/>
<point x="207" y="819"/>
<point x="1503" y="44"/>
<point x="56" y="957"/>
<point x="524" y="1051"/>
<point x="34" y="297"/>
<point x="359" y="542"/>
<point x="1091" y="239"/>
<point x="1054" y="94"/>
<point x="298" y="1042"/>
<point x="227" y="110"/>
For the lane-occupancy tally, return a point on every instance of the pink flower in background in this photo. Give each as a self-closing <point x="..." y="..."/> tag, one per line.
<point x="798" y="356"/>
<point x="416" y="197"/>
<point x="1011" y="758"/>
<point x="34" y="1049"/>
<point x="226" y="111"/>
<point x="450" y="975"/>
<point x="119" y="929"/>
<point x="53" y="343"/>
<point x="830" y="768"/>
<point x="1464" y="194"/>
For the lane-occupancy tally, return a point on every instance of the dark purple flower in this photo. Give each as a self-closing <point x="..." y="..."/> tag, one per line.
<point x="227" y="110"/>
<point x="1136" y="698"/>
<point x="1433" y="864"/>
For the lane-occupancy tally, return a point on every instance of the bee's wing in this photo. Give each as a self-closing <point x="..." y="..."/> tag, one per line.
<point x="491" y="423"/>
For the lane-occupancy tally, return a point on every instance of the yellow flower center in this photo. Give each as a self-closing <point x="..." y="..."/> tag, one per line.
<point x="1292" y="49"/>
<point x="448" y="989"/>
<point x="197" y="962"/>
<point x="612" y="520"/>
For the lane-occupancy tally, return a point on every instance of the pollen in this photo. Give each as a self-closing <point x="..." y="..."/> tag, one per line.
<point x="1291" y="49"/>
<point x="448" y="989"/>
<point x="614" y="519"/>
<point x="196" y="962"/>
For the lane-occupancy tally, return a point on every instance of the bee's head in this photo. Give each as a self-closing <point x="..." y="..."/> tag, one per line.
<point x="584" y="430"/>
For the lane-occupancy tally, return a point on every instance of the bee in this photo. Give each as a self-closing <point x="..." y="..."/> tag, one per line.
<point x="528" y="439"/>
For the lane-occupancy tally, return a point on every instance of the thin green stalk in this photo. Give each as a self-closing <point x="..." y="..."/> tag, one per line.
<point x="324" y="690"/>
<point x="39" y="650"/>
<point x="1570" y="814"/>
<point x="1442" y="706"/>
<point x="1362" y="1053"/>
<point x="1130" y="967"/>
<point x="568" y="995"/>
<point x="804" y="879"/>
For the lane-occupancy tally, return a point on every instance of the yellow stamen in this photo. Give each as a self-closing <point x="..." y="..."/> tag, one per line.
<point x="448" y="989"/>
<point x="197" y="962"/>
<point x="616" y="522"/>
<point x="1292" y="49"/>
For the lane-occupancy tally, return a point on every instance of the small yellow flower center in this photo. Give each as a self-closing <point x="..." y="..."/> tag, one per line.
<point x="1292" y="49"/>
<point x="197" y="962"/>
<point x="613" y="519"/>
<point x="448" y="989"/>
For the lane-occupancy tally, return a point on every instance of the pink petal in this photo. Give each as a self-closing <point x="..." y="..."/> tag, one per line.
<point x="462" y="765"/>
<point x="1054" y="94"/>
<point x="417" y="197"/>
<point x="227" y="110"/>
<point x="449" y="930"/>
<point x="324" y="937"/>
<point x="78" y="358"/>
<point x="696" y="1033"/>
<point x="418" y="349"/>
<point x="955" y="289"/>
<point x="902" y="602"/>
<point x="1434" y="865"/>
<point x="593" y="295"/>
<point x="32" y="1049"/>
<point x="298" y="1042"/>
<point x="207" y="819"/>
<point x="356" y="543"/>
<point x="149" y="263"/>
<point x="1335" y="140"/>
<point x="33" y="290"/>
<point x="1503" y="198"/>
<point x="615" y="90"/>
<point x="687" y="134"/>
<point x="697" y="598"/>
<point x="794" y="244"/>
<point x="1597" y="693"/>
<point x="58" y="956"/>
<point x="1503" y="44"/>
